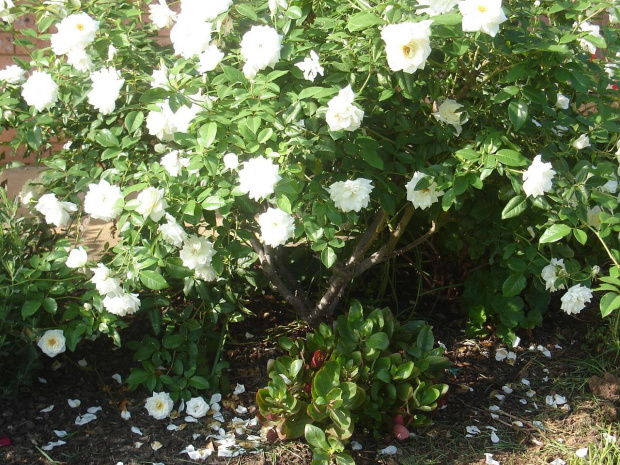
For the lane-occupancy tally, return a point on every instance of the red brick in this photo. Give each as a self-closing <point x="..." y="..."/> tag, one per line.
<point x="6" y="43"/>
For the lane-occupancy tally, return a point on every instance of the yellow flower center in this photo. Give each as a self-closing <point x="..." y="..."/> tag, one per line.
<point x="482" y="8"/>
<point x="52" y="342"/>
<point x="159" y="405"/>
<point x="409" y="50"/>
<point x="79" y="27"/>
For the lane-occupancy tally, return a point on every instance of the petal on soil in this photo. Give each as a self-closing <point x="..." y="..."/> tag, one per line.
<point x="582" y="453"/>
<point x="389" y="450"/>
<point x="83" y="419"/>
<point x="47" y="409"/>
<point x="74" y="403"/>
<point x="135" y="429"/>
<point x="52" y="444"/>
<point x="60" y="434"/>
<point x="494" y="438"/>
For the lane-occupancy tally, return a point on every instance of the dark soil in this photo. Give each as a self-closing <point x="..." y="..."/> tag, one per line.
<point x="109" y="439"/>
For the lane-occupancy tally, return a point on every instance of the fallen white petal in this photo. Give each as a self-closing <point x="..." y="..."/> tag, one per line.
<point x="500" y="396"/>
<point x="82" y="363"/>
<point x="518" y="423"/>
<point x="494" y="438"/>
<point x="489" y="459"/>
<point x="219" y="417"/>
<point x="558" y="461"/>
<point x="42" y="380"/>
<point x="215" y="398"/>
<point x="125" y="414"/>
<point x="239" y="389"/>
<point x="116" y="377"/>
<point x="60" y="434"/>
<point x="156" y="445"/>
<point x="525" y="381"/>
<point x="190" y="419"/>
<point x="356" y="445"/>
<point x="172" y="427"/>
<point x="473" y="430"/>
<point x="581" y="453"/>
<point x="389" y="450"/>
<point x="74" y="403"/>
<point x="560" y="400"/>
<point x="138" y="444"/>
<point x="523" y="401"/>
<point x="495" y="416"/>
<point x="94" y="410"/>
<point x="195" y="436"/>
<point x="47" y="409"/>
<point x="83" y="419"/>
<point x="538" y="424"/>
<point x="609" y="438"/>
<point x="492" y="428"/>
<point x="51" y="445"/>
<point x="249" y="335"/>
<point x="507" y="389"/>
<point x="549" y="401"/>
<point x="241" y="410"/>
<point x="494" y="408"/>
<point x="516" y="342"/>
<point x="537" y="442"/>
<point x="135" y="429"/>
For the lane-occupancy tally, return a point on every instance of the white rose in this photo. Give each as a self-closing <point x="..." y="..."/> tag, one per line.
<point x="593" y="216"/>
<point x="196" y="251"/>
<point x="152" y="203"/>
<point x="231" y="161"/>
<point x="205" y="10"/>
<point x="351" y="195"/>
<point x="260" y="48"/>
<point x="122" y="304"/>
<point x="537" y="178"/>
<point x="592" y="30"/>
<point x="552" y="272"/>
<point x="575" y="299"/>
<point x="482" y="15"/>
<point x="161" y="15"/>
<point x="206" y="272"/>
<point x="104" y="283"/>
<point x="197" y="407"/>
<point x="40" y="90"/>
<point x="163" y="124"/>
<point x="107" y="84"/>
<point x="190" y="36"/>
<point x="209" y="59"/>
<point x="407" y="45"/>
<point x="562" y="102"/>
<point x="52" y="342"/>
<point x="55" y="211"/>
<point x="258" y="177"/>
<point x="342" y="114"/>
<point x="4" y="11"/>
<point x="159" y="405"/>
<point x="450" y="112"/>
<point x="276" y="227"/>
<point x="174" y="163"/>
<point x="311" y="66"/>
<point x="12" y="74"/>
<point x="436" y="7"/>
<point x="581" y="142"/>
<point x="172" y="232"/>
<point x="423" y="198"/>
<point x="77" y="258"/>
<point x="274" y="5"/>
<point x="103" y="201"/>
<point x="75" y="32"/>
<point x="80" y="60"/>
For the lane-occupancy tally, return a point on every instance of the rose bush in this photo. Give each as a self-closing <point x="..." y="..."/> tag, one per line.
<point x="226" y="156"/>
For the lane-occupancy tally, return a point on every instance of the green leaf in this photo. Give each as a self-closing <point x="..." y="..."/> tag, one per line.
<point x="137" y="376"/>
<point x="555" y="233"/>
<point x="426" y="340"/>
<point x="378" y="341"/>
<point x="363" y="20"/>
<point x="264" y="135"/>
<point x="199" y="382"/>
<point x="580" y="235"/>
<point x="514" y="284"/>
<point x="316" y="437"/>
<point x="153" y="280"/>
<point x="326" y="379"/>
<point x="511" y="158"/>
<point x="30" y="307"/>
<point x="247" y="11"/>
<point x="173" y="341"/>
<point x="609" y="303"/>
<point x="328" y="257"/>
<point x="506" y="93"/>
<point x="50" y="305"/>
<point x="518" y="112"/>
<point x="106" y="138"/>
<point x="213" y="202"/>
<point x="133" y="121"/>
<point x="404" y="371"/>
<point x="514" y="207"/>
<point x="206" y="134"/>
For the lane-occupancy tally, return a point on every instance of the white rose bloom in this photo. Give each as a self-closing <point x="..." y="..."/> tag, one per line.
<point x="174" y="163"/>
<point x="209" y="59"/>
<point x="77" y="258"/>
<point x="581" y="142"/>
<point x="562" y="102"/>
<point x="196" y="251"/>
<point x="152" y="203"/>
<point x="311" y="66"/>
<point x="159" y="405"/>
<point x="423" y="198"/>
<point x="407" y="45"/>
<point x="103" y="201"/>
<point x="80" y="60"/>
<point x="274" y="5"/>
<point x="450" y="112"/>
<point x="196" y="407"/>
<point x="104" y="283"/>
<point x="161" y="15"/>
<point x="160" y="77"/>
<point x="231" y="161"/>
<point x="276" y="227"/>
<point x="55" y="211"/>
<point x="260" y="48"/>
<point x="342" y="114"/>
<point x="537" y="178"/>
<point x="593" y="216"/>
<point x="122" y="304"/>
<point x="112" y="52"/>
<point x="205" y="10"/>
<point x="575" y="299"/>
<point x="190" y="36"/>
<point x="351" y="195"/>
<point x="258" y="177"/>
<point x="205" y="272"/>
<point x="611" y="186"/>
<point x="52" y="342"/>
<point x="4" y="13"/>
<point x="172" y="232"/>
<point x="13" y="74"/>
<point x="163" y="124"/>
<point x="482" y="15"/>
<point x="76" y="31"/>
<point x="40" y="90"/>
<point x="107" y="84"/>
<point x="592" y="30"/>
<point x="436" y="7"/>
<point x="551" y="272"/>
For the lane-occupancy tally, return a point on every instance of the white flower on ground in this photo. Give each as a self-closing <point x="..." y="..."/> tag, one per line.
<point x="537" y="178"/>
<point x="482" y="15"/>
<point x="581" y="142"/>
<point x="174" y="162"/>
<point x="196" y="251"/>
<point x="40" y="90"/>
<point x="592" y="30"/>
<point x="161" y="15"/>
<point x="258" y="177"/>
<point x="504" y="354"/>
<point x="103" y="201"/>
<point x="55" y="211"/>
<point x="75" y="32"/>
<point x="12" y="74"/>
<point x="276" y="227"/>
<point x="550" y="273"/>
<point x="77" y="258"/>
<point x="172" y="232"/>
<point x="159" y="405"/>
<point x="197" y="407"/>
<point x="152" y="203"/>
<point x="311" y="66"/>
<point x="575" y="299"/>
<point x="407" y="45"/>
<point x="351" y="195"/>
<point x="122" y="304"/>
<point x="205" y="10"/>
<point x="107" y="84"/>
<point x="436" y="7"/>
<point x="423" y="198"/>
<point x="260" y="48"/>
<point x="209" y="59"/>
<point x="52" y="343"/>
<point x="190" y="36"/>
<point x="104" y="282"/>
<point x="562" y="102"/>
<point x="231" y="161"/>
<point x="80" y="60"/>
<point x="342" y="114"/>
<point x="197" y="454"/>
<point x="450" y="112"/>
<point x="593" y="216"/>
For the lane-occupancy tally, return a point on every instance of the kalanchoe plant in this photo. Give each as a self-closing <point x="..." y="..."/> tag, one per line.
<point x="368" y="373"/>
